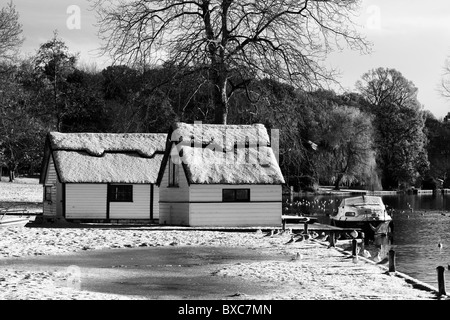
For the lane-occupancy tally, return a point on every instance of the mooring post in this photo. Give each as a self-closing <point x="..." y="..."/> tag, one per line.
<point x="441" y="282"/>
<point x="354" y="244"/>
<point x="305" y="226"/>
<point x="391" y="260"/>
<point x="284" y="223"/>
<point x="362" y="241"/>
<point x="332" y="238"/>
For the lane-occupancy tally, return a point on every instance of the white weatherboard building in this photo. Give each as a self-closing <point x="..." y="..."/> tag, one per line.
<point x="220" y="175"/>
<point x="102" y="176"/>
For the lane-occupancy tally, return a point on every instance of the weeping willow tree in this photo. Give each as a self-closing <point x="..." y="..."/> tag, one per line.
<point x="231" y="42"/>
<point x="347" y="150"/>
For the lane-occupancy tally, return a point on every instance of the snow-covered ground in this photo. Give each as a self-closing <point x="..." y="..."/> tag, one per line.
<point x="21" y="190"/>
<point x="305" y="270"/>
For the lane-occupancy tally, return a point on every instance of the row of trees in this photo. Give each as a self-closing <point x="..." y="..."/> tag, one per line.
<point x="233" y="63"/>
<point x="328" y="137"/>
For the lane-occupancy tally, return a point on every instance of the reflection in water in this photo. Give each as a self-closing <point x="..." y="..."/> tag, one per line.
<point x="421" y="222"/>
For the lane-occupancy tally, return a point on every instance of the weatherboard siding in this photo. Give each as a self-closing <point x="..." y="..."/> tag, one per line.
<point x="180" y="193"/>
<point x="201" y="204"/>
<point x="51" y="179"/>
<point x="138" y="209"/>
<point x="264" y="208"/>
<point x="174" y="213"/>
<point x="86" y="201"/>
<point x="173" y="201"/>
<point x="155" y="202"/>
<point x="234" y="214"/>
<point x="213" y="192"/>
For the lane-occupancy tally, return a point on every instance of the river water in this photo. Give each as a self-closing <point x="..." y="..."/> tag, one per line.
<point x="421" y="222"/>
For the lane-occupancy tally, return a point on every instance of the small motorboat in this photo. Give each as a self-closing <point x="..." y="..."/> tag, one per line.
<point x="364" y="212"/>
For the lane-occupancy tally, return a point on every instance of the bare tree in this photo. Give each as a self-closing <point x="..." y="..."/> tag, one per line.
<point x="10" y="32"/>
<point x="399" y="123"/>
<point x="445" y="85"/>
<point x="234" y="40"/>
<point x="382" y="86"/>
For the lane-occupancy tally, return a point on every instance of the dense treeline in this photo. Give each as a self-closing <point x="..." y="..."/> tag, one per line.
<point x="325" y="137"/>
<point x="378" y="137"/>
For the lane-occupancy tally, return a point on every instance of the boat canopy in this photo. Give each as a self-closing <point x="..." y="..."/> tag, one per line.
<point x="363" y="201"/>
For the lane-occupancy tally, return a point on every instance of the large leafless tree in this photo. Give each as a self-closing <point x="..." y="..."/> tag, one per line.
<point x="232" y="41"/>
<point x="10" y="31"/>
<point x="445" y="86"/>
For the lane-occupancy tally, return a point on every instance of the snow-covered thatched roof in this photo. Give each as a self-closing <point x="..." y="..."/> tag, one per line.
<point x="96" y="144"/>
<point x="207" y="166"/>
<point x="225" y="136"/>
<point x="107" y="157"/>
<point x="226" y="154"/>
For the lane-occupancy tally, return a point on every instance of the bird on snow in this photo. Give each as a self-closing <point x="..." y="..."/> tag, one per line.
<point x="346" y="236"/>
<point x="340" y="236"/>
<point x="269" y="234"/>
<point x="291" y="240"/>
<point x="384" y="261"/>
<point x="298" y="256"/>
<point x="276" y="232"/>
<point x="366" y="254"/>
<point x="354" y="234"/>
<point x="377" y="258"/>
<point x="314" y="235"/>
<point x="322" y="237"/>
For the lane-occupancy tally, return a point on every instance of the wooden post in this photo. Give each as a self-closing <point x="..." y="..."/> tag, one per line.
<point x="391" y="260"/>
<point x="284" y="223"/>
<point x="292" y="194"/>
<point x="441" y="282"/>
<point x="354" y="244"/>
<point x="362" y="241"/>
<point x="332" y="238"/>
<point x="305" y="225"/>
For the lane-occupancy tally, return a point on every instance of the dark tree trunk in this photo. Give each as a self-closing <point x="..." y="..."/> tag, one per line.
<point x="12" y="168"/>
<point x="220" y="101"/>
<point x="338" y="181"/>
<point x="12" y="175"/>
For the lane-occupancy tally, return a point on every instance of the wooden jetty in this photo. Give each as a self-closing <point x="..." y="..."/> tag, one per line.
<point x="309" y="223"/>
<point x="13" y="217"/>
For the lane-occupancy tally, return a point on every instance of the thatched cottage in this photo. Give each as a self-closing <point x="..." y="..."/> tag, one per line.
<point x="220" y="175"/>
<point x="102" y="176"/>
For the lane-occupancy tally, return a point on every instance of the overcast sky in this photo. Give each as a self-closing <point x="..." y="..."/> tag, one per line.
<point x="412" y="36"/>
